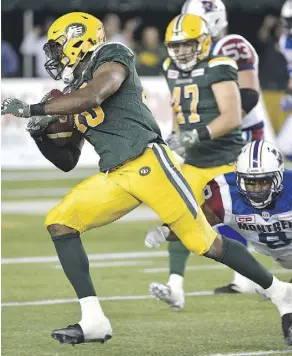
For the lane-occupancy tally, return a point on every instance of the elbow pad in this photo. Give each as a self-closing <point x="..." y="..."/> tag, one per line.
<point x="249" y="99"/>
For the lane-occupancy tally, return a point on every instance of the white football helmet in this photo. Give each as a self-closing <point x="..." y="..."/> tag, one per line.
<point x="286" y="16"/>
<point x="212" y="11"/>
<point x="260" y="160"/>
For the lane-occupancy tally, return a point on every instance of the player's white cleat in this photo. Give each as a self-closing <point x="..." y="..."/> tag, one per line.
<point x="175" y="297"/>
<point x="156" y="236"/>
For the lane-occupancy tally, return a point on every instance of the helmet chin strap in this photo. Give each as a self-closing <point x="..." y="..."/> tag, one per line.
<point x="67" y="75"/>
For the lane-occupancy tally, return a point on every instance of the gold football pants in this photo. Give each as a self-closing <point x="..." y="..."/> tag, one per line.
<point x="154" y="178"/>
<point x="198" y="177"/>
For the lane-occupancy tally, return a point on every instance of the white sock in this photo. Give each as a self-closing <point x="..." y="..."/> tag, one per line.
<point x="91" y="315"/>
<point x="280" y="294"/>
<point x="176" y="281"/>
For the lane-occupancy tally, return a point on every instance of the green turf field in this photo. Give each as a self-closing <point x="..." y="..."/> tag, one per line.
<point x="237" y="325"/>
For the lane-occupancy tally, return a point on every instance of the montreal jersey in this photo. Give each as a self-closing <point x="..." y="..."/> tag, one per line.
<point x="268" y="229"/>
<point x="242" y="52"/>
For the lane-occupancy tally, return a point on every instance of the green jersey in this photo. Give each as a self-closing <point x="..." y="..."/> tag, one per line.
<point x="195" y="106"/>
<point x="122" y="127"/>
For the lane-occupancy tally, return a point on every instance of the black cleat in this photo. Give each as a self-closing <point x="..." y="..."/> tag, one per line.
<point x="229" y="289"/>
<point x="287" y="328"/>
<point x="73" y="335"/>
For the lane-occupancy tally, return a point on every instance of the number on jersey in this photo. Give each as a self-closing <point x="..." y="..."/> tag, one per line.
<point x="186" y="93"/>
<point x="89" y="119"/>
<point x="274" y="240"/>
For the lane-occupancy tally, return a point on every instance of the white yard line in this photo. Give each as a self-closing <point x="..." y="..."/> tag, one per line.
<point x="46" y="175"/>
<point x="113" y="264"/>
<point x="188" y="268"/>
<point x="41" y="207"/>
<point x="92" y="257"/>
<point x="117" y="297"/>
<point x="255" y="353"/>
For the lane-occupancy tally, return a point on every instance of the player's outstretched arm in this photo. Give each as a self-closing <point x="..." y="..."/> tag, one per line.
<point x="229" y="103"/>
<point x="107" y="79"/>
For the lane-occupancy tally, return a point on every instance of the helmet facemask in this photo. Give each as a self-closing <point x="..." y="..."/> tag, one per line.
<point x="186" y="54"/>
<point x="58" y="64"/>
<point x="70" y="38"/>
<point x="260" y="190"/>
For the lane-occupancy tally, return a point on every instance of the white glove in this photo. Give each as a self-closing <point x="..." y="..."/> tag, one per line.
<point x="174" y="143"/>
<point x="189" y="138"/>
<point x="156" y="236"/>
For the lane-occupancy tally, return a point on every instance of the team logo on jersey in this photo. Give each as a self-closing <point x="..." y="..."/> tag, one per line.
<point x="172" y="74"/>
<point x="266" y="215"/>
<point x="75" y="30"/>
<point x="250" y="219"/>
<point x="197" y="72"/>
<point x="144" y="171"/>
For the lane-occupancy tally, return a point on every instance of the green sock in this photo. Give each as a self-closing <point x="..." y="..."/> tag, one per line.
<point x="178" y="256"/>
<point x="75" y="263"/>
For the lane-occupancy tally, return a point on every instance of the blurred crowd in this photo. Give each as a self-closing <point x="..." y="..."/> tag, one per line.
<point x="149" y="49"/>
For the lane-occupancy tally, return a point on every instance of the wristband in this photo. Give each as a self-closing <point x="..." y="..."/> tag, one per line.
<point x="204" y="133"/>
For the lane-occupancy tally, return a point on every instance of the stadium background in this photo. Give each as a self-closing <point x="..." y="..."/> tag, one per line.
<point x="35" y="294"/>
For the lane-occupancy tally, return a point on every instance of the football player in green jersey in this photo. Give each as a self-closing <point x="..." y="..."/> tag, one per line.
<point x="207" y="110"/>
<point x="106" y="97"/>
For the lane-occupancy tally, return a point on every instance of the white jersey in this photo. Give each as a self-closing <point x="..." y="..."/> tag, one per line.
<point x="285" y="45"/>
<point x="269" y="230"/>
<point x="244" y="54"/>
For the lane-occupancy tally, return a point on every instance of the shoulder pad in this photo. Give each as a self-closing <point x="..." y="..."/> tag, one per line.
<point x="166" y="64"/>
<point x="239" y="49"/>
<point x="113" y="46"/>
<point x="217" y="61"/>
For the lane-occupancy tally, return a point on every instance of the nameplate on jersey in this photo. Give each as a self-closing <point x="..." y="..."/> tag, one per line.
<point x="184" y="81"/>
<point x="172" y="74"/>
<point x="197" y="72"/>
<point x="249" y="219"/>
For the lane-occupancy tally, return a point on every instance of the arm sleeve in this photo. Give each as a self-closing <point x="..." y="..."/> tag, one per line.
<point x="64" y="158"/>
<point x="221" y="69"/>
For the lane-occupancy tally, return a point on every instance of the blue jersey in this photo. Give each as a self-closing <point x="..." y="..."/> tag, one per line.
<point x="268" y="229"/>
